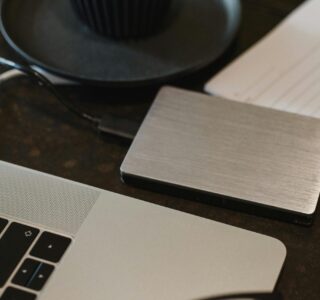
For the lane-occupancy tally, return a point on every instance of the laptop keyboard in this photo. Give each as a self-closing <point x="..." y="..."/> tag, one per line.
<point x="35" y="252"/>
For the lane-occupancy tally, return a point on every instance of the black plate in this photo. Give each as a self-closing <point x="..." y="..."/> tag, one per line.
<point x="48" y="34"/>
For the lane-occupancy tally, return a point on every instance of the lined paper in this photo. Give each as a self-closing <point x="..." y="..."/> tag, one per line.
<point x="282" y="71"/>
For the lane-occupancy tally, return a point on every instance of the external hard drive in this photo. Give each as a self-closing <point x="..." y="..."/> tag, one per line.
<point x="232" y="154"/>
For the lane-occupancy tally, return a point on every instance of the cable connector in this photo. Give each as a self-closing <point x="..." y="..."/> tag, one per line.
<point x="118" y="126"/>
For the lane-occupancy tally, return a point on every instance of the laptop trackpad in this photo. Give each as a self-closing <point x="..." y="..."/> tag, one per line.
<point x="129" y="249"/>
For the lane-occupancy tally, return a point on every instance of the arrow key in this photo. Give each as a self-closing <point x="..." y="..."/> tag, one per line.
<point x="40" y="276"/>
<point x="25" y="272"/>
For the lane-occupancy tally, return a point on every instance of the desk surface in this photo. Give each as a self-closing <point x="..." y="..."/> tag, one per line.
<point x="37" y="132"/>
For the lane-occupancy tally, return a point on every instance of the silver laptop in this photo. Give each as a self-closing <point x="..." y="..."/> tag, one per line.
<point x="64" y="240"/>
<point x="233" y="154"/>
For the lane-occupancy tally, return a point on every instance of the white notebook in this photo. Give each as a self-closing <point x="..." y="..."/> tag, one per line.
<point x="282" y="71"/>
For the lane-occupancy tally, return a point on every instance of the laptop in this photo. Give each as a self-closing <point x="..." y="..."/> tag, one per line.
<point x="237" y="155"/>
<point x="64" y="240"/>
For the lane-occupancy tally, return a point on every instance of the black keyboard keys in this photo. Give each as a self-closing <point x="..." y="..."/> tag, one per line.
<point x="33" y="274"/>
<point x="25" y="272"/>
<point x="15" y="294"/>
<point x="3" y="224"/>
<point x="40" y="277"/>
<point x="14" y="243"/>
<point x="50" y="247"/>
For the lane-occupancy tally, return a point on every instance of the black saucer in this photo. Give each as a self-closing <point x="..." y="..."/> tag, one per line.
<point x="48" y="34"/>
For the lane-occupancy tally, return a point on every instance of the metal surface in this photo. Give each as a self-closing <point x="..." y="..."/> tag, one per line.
<point x="49" y="34"/>
<point x="47" y="201"/>
<point x="130" y="249"/>
<point x="212" y="145"/>
<point x="39" y="134"/>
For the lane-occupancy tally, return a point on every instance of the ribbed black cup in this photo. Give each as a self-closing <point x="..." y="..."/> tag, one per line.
<point x="122" y="18"/>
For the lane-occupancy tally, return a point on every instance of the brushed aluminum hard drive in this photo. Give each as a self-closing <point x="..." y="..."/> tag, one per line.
<point x="237" y="155"/>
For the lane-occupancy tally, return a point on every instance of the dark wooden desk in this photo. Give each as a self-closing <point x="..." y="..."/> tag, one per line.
<point x="37" y="132"/>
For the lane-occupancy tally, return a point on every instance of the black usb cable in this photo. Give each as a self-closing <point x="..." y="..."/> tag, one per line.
<point x="108" y="123"/>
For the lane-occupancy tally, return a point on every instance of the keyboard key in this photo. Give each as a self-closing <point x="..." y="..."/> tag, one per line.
<point x="40" y="277"/>
<point x="14" y="243"/>
<point x="15" y="294"/>
<point x="50" y="247"/>
<point x="33" y="274"/>
<point x="3" y="224"/>
<point x="25" y="272"/>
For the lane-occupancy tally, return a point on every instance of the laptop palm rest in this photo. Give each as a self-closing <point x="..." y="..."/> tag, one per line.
<point x="124" y="248"/>
<point x="129" y="249"/>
